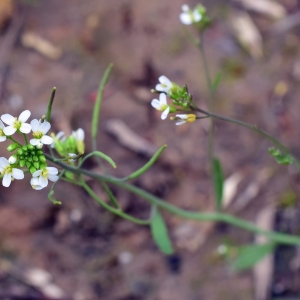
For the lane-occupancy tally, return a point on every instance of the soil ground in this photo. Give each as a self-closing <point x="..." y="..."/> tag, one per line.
<point x="92" y="254"/>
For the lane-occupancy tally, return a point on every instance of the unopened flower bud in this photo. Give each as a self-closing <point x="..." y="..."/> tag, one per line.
<point x="12" y="159"/>
<point x="12" y="147"/>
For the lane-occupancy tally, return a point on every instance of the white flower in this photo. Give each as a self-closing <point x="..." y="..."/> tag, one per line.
<point x="165" y="84"/>
<point x="78" y="134"/>
<point x="2" y="134"/>
<point x="9" y="172"/>
<point x="161" y="105"/>
<point x="183" y="118"/>
<point x="16" y="124"/>
<point x="35" y="183"/>
<point x="42" y="177"/>
<point x="188" y="17"/>
<point x="39" y="131"/>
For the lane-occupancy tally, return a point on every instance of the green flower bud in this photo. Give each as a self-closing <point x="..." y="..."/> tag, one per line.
<point x="20" y="152"/>
<point x="28" y="164"/>
<point x="32" y="169"/>
<point x="36" y="165"/>
<point x="24" y="148"/>
<point x="43" y="166"/>
<point x="30" y="147"/>
<point x="22" y="157"/>
<point x="22" y="163"/>
<point x="12" y="147"/>
<point x="80" y="146"/>
<point x="42" y="158"/>
<point x="35" y="158"/>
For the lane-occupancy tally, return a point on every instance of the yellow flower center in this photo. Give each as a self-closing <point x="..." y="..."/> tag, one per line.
<point x="17" y="124"/>
<point x="163" y="107"/>
<point x="38" y="134"/>
<point x="1" y="132"/>
<point x="7" y="170"/>
<point x="45" y="173"/>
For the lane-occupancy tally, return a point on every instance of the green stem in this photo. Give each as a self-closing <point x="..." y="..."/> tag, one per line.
<point x="25" y="138"/>
<point x="12" y="139"/>
<point x="253" y="128"/>
<point x="111" y="209"/>
<point x="218" y="216"/>
<point x="211" y="138"/>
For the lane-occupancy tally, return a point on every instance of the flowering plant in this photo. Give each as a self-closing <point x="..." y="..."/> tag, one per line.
<point x="67" y="152"/>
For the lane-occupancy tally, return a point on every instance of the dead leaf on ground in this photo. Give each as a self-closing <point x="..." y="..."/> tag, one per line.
<point x="247" y="33"/>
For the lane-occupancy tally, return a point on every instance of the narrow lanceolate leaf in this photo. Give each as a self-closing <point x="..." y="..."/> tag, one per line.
<point x="160" y="233"/>
<point x="249" y="255"/>
<point x="217" y="81"/>
<point x="96" y="112"/>
<point x="218" y="179"/>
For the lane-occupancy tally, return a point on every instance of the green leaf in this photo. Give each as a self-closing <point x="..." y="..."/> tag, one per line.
<point x="217" y="81"/>
<point x="160" y="233"/>
<point x="50" y="103"/>
<point x="249" y="255"/>
<point x="218" y="179"/>
<point x="98" y="101"/>
<point x="282" y="159"/>
<point x="143" y="169"/>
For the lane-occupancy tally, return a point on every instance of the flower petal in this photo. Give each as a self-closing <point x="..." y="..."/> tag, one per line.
<point x="156" y="104"/>
<point x="6" y="180"/>
<point x="35" y="125"/>
<point x="53" y="178"/>
<point x="1" y="124"/>
<point x="52" y="170"/>
<point x="43" y="181"/>
<point x="162" y="99"/>
<point x="24" y="116"/>
<point x="47" y="140"/>
<point x="197" y="16"/>
<point x="185" y="7"/>
<point x="9" y="130"/>
<point x="34" y="142"/>
<point x="2" y="138"/>
<point x="163" y="79"/>
<point x="180" y="122"/>
<point x="182" y="116"/>
<point x="37" y="173"/>
<point x="80" y="134"/>
<point x="185" y="18"/>
<point x="3" y="163"/>
<point x="17" y="173"/>
<point x="8" y="119"/>
<point x="45" y="126"/>
<point x="25" y="128"/>
<point x="165" y="113"/>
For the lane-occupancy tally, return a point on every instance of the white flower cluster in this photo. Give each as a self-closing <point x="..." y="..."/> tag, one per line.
<point x="165" y="87"/>
<point x="28" y="156"/>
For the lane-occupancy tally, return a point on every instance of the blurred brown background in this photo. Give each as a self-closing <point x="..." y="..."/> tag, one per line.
<point x="78" y="250"/>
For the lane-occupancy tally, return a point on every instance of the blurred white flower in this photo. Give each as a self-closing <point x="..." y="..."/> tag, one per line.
<point x="183" y="118"/>
<point x="48" y="173"/>
<point x="16" y="123"/>
<point x="165" y="84"/>
<point x="39" y="131"/>
<point x="188" y="16"/>
<point x="161" y="105"/>
<point x="8" y="172"/>
<point x="2" y="134"/>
